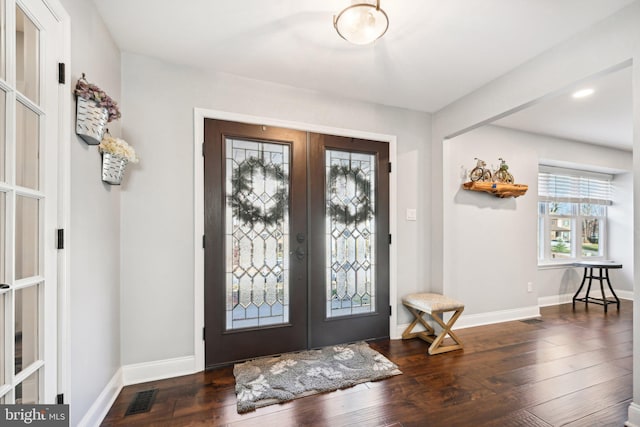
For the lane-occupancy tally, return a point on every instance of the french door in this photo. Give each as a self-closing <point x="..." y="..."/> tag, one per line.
<point x="30" y="37"/>
<point x="296" y="240"/>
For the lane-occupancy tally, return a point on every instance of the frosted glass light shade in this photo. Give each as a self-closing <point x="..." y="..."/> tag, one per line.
<point x="361" y="23"/>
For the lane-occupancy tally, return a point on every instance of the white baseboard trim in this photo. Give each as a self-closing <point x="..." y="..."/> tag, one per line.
<point x="158" y="370"/>
<point x="490" y="318"/>
<point x="103" y="403"/>
<point x="628" y="295"/>
<point x="567" y="298"/>
<point x="634" y="415"/>
<point x="554" y="300"/>
<point x="135" y="374"/>
<point x="471" y="320"/>
<point x="468" y="321"/>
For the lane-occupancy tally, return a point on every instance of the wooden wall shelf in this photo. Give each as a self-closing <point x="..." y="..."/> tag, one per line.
<point x="497" y="189"/>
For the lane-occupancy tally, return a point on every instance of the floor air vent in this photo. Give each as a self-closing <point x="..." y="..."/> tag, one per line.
<point x="142" y="402"/>
<point x="532" y="321"/>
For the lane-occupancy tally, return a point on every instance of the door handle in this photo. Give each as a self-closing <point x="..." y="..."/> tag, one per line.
<point x="300" y="253"/>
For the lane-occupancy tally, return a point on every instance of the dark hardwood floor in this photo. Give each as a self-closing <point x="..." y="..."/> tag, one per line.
<point x="570" y="368"/>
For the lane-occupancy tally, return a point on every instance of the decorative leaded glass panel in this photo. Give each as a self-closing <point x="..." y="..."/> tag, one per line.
<point x="350" y="233"/>
<point x="257" y="234"/>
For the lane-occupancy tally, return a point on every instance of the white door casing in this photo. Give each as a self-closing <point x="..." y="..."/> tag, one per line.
<point x="33" y="37"/>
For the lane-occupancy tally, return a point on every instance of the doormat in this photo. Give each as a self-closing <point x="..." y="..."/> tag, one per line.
<point x="278" y="379"/>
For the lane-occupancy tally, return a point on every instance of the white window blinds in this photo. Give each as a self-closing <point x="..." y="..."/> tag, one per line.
<point x="562" y="185"/>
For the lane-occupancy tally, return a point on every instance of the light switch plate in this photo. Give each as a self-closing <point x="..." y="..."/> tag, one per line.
<point x="411" y="214"/>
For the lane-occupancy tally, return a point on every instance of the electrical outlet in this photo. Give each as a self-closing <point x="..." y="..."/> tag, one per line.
<point x="530" y="287"/>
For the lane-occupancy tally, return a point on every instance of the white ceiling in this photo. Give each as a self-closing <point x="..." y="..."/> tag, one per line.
<point x="434" y="52"/>
<point x="604" y="118"/>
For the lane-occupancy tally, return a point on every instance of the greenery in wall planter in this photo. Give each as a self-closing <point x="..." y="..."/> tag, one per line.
<point x="94" y="110"/>
<point x="116" y="153"/>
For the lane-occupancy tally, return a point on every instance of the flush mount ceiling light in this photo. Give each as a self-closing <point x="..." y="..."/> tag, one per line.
<point x="583" y="93"/>
<point x="361" y="23"/>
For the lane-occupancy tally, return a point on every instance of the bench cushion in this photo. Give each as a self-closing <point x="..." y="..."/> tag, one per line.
<point x="429" y="302"/>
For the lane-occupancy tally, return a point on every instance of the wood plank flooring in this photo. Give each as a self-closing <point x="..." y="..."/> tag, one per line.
<point x="573" y="368"/>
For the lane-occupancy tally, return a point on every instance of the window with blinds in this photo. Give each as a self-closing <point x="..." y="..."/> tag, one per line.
<point x="554" y="185"/>
<point x="572" y="213"/>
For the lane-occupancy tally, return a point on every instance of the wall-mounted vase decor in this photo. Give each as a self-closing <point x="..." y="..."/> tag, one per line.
<point x="94" y="109"/>
<point x="116" y="154"/>
<point x="113" y="168"/>
<point x="91" y="121"/>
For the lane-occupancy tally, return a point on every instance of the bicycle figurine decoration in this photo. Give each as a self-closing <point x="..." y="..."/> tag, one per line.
<point x="502" y="174"/>
<point x="480" y="172"/>
<point x="499" y="182"/>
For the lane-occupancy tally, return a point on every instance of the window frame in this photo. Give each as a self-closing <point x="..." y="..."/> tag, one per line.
<point x="545" y="218"/>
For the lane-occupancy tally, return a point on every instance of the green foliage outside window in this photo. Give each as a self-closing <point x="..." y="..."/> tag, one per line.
<point x="561" y="247"/>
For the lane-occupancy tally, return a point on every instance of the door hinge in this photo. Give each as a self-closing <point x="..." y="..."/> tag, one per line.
<point x="61" y="73"/>
<point x="389" y="238"/>
<point x="60" y="399"/>
<point x="203" y="241"/>
<point x="60" y="242"/>
<point x="203" y="149"/>
<point x="389" y="167"/>
<point x="203" y="335"/>
<point x="390" y="310"/>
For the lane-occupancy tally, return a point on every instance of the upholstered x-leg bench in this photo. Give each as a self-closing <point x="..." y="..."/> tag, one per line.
<point x="433" y="304"/>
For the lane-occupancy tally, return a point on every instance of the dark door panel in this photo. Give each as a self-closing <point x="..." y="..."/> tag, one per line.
<point x="255" y="295"/>
<point x="349" y="243"/>
<point x="287" y="212"/>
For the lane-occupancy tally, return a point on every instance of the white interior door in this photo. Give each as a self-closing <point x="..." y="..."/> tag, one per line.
<point x="29" y="44"/>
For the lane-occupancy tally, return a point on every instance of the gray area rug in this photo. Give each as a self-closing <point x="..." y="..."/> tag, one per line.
<point x="270" y="380"/>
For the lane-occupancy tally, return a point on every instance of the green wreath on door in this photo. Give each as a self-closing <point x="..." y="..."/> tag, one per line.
<point x="248" y="213"/>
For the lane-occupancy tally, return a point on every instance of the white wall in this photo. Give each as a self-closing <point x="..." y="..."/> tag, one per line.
<point x="491" y="241"/>
<point x="157" y="204"/>
<point x="94" y="237"/>
<point x="634" y="408"/>
<point x="620" y="222"/>
<point x="497" y="238"/>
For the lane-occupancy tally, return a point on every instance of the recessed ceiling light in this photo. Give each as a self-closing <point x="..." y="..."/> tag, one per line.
<point x="583" y="93"/>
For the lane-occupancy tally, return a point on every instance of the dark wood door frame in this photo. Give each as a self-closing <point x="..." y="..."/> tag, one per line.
<point x="200" y="117"/>
<point x="323" y="331"/>
<point x="239" y="343"/>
